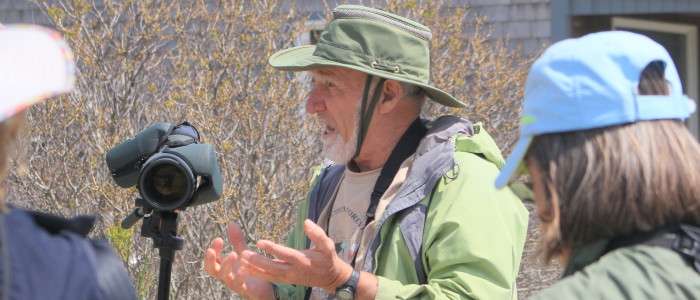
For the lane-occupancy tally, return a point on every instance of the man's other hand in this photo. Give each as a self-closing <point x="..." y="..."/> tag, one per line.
<point x="229" y="270"/>
<point x="318" y="266"/>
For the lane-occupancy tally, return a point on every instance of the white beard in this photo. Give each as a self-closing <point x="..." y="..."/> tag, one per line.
<point x="339" y="150"/>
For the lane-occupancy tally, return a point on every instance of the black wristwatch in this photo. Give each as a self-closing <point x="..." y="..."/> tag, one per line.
<point x="347" y="290"/>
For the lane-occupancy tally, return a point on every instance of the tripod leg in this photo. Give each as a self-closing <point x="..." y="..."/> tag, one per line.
<point x="166" y="266"/>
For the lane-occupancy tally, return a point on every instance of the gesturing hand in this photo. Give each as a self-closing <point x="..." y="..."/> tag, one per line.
<point x="228" y="268"/>
<point x="319" y="266"/>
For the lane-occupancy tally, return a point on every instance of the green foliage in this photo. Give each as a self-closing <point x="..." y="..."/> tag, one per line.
<point x="120" y="239"/>
<point x="145" y="278"/>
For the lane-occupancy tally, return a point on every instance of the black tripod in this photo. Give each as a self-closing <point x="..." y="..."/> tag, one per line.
<point x="161" y="226"/>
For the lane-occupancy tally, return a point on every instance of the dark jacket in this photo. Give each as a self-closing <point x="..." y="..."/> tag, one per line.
<point x="47" y="257"/>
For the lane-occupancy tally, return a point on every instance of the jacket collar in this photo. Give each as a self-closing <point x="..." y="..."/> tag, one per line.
<point x="585" y="255"/>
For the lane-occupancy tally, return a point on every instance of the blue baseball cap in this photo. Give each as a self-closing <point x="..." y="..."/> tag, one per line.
<point x="592" y="82"/>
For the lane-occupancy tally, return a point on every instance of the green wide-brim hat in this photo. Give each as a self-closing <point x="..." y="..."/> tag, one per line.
<point x="370" y="41"/>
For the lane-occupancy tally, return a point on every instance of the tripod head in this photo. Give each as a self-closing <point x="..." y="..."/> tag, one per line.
<point x="161" y="227"/>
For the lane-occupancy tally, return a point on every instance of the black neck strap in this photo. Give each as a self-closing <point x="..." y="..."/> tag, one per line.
<point x="406" y="146"/>
<point x="367" y="110"/>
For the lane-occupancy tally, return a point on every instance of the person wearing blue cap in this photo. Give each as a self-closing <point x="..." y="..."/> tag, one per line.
<point x="615" y="172"/>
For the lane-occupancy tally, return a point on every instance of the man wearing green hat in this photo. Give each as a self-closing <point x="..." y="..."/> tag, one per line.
<point x="408" y="209"/>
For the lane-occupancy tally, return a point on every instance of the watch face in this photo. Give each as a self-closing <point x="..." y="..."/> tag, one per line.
<point x="344" y="293"/>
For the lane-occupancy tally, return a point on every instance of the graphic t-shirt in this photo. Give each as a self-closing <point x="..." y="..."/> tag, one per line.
<point x="346" y="216"/>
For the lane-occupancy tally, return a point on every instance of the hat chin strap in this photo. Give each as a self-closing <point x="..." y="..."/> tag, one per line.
<point x="367" y="111"/>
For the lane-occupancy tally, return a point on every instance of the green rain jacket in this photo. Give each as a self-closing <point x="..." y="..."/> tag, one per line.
<point x="472" y="234"/>
<point x="634" y="272"/>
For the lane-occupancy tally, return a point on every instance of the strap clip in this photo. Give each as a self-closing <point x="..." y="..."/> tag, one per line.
<point x="687" y="243"/>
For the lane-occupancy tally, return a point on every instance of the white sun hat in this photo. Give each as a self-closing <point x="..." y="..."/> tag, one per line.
<point x="35" y="63"/>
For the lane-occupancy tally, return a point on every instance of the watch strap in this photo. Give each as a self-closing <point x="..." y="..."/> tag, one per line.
<point x="354" y="280"/>
<point x="348" y="290"/>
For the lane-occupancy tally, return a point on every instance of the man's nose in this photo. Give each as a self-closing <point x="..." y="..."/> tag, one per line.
<point x="314" y="103"/>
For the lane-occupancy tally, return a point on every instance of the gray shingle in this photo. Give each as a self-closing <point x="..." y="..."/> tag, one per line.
<point x="522" y="12"/>
<point x="541" y="29"/>
<point x="5" y="5"/>
<point x="475" y="3"/>
<point x="683" y="5"/>
<point x="529" y="45"/>
<point x="493" y="13"/>
<point x="519" y="30"/>
<point x="601" y="6"/>
<point x="632" y="5"/>
<point x="655" y="5"/>
<point x="581" y="6"/>
<point x="530" y="1"/>
<point x="17" y="4"/>
<point x="499" y="30"/>
<point x="10" y="17"/>
<point x="617" y="7"/>
<point x="543" y="11"/>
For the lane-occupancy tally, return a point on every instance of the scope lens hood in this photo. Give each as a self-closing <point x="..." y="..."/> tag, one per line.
<point x="166" y="182"/>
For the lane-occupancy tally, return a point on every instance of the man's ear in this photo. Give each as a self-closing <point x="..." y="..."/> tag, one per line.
<point x="392" y="92"/>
